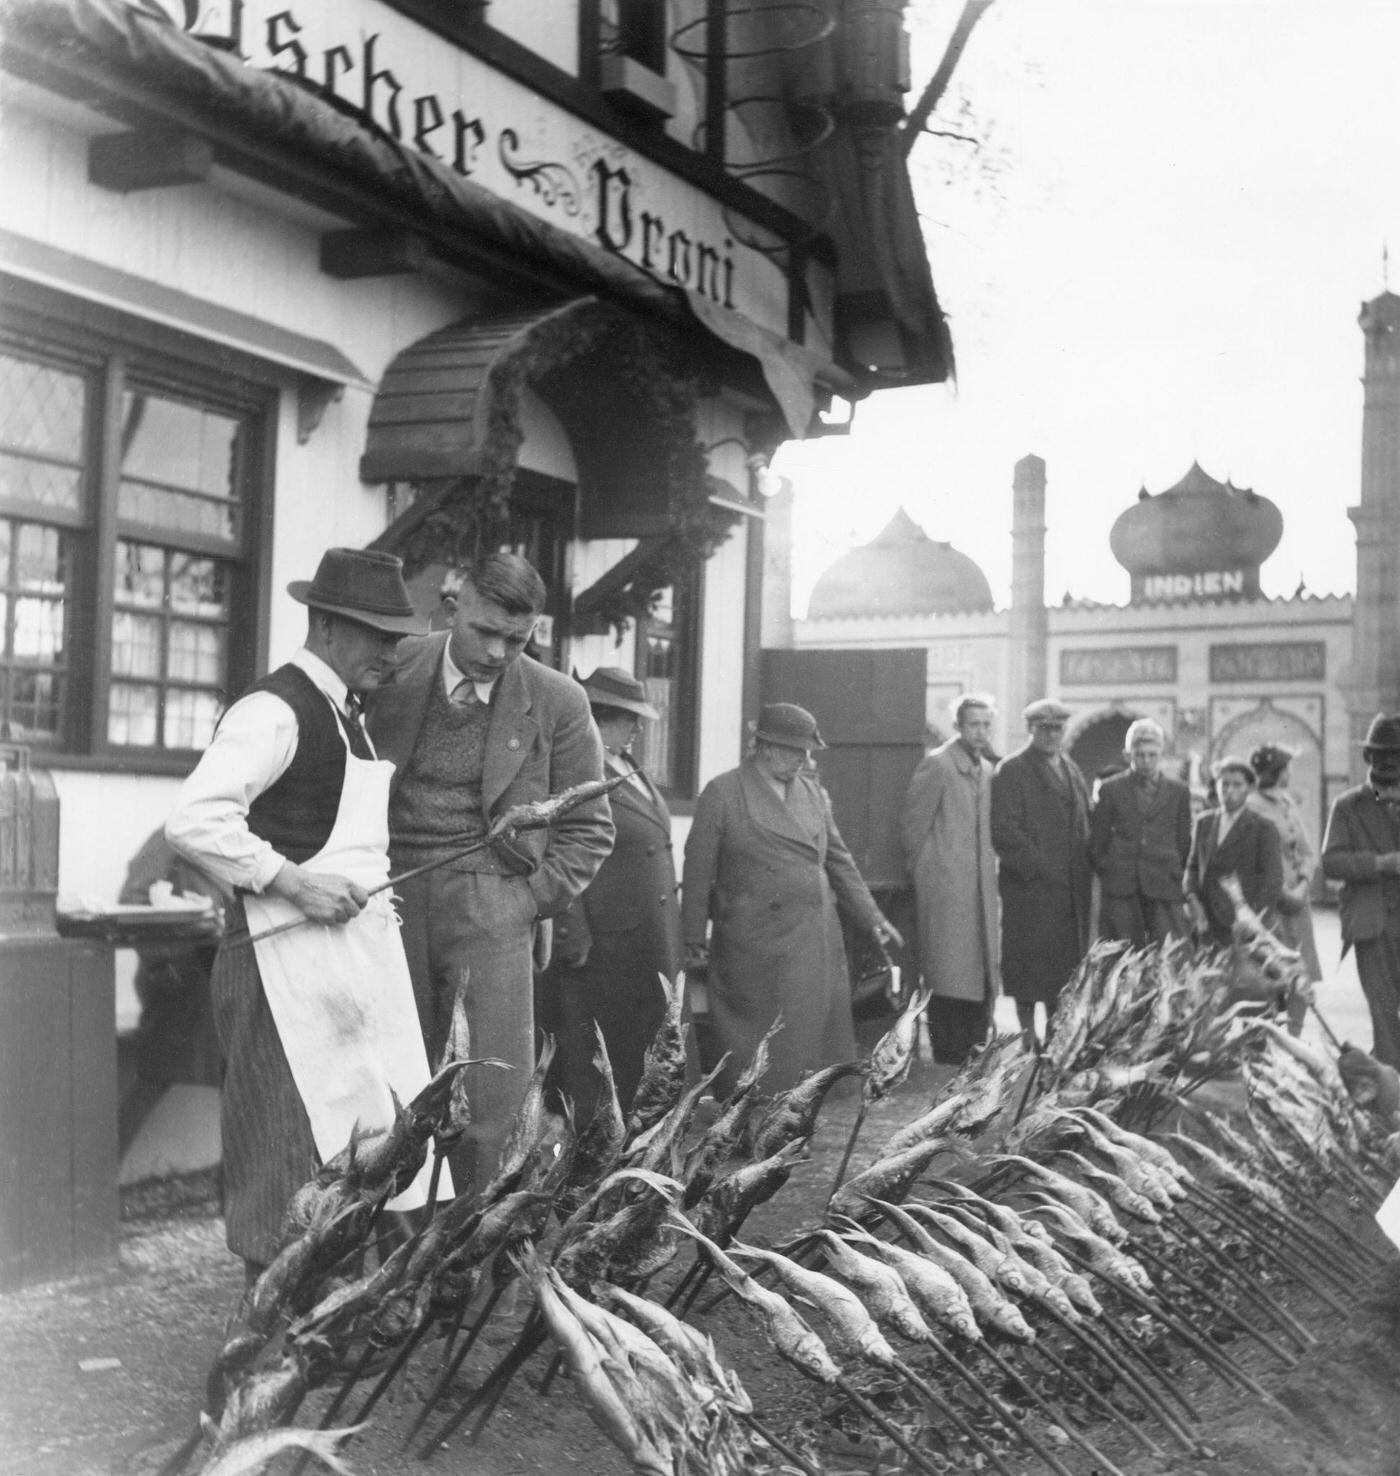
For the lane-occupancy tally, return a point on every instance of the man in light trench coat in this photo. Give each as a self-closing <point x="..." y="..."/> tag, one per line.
<point x="946" y="833"/>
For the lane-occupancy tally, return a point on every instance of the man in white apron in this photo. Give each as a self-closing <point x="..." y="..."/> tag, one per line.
<point x="289" y="806"/>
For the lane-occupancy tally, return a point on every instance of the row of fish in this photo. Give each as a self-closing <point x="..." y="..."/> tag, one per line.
<point x="1055" y="1245"/>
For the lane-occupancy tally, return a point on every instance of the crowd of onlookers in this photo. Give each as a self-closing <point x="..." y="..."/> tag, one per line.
<point x="1131" y="860"/>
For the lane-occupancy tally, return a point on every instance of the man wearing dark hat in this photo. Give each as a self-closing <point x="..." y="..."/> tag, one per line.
<point x="1362" y="851"/>
<point x="474" y="727"/>
<point x="1040" y="831"/>
<point x="1232" y="841"/>
<point x="623" y="930"/>
<point x="768" y="875"/>
<point x="288" y="805"/>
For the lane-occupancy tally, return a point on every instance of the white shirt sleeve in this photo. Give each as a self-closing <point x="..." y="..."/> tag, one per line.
<point x="251" y="750"/>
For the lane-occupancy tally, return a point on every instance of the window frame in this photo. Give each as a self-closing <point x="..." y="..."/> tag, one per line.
<point x="688" y="595"/>
<point x="112" y="350"/>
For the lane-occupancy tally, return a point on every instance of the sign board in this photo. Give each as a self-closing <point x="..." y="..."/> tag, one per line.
<point x="430" y="95"/>
<point x="1118" y="666"/>
<point x="1269" y="661"/>
<point x="1207" y="584"/>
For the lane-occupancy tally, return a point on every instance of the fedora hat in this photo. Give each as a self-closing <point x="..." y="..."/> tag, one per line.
<point x="787" y="725"/>
<point x="362" y="585"/>
<point x="1383" y="736"/>
<point x="610" y="686"/>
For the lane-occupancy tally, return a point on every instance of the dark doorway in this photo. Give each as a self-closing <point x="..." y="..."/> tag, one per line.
<point x="1100" y="745"/>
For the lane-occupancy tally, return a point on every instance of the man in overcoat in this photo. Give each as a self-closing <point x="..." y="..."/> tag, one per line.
<point x="1232" y="841"/>
<point x="946" y="833"/>
<point x="1040" y="829"/>
<point x="474" y="727"/>
<point x="623" y="931"/>
<point x="1139" y="839"/>
<point x="1362" y="851"/>
<point x="767" y="873"/>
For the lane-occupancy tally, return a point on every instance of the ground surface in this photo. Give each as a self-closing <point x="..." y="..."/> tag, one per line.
<point x="67" y="1409"/>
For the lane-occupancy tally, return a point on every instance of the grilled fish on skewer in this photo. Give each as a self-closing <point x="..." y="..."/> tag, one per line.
<point x="663" y="1065"/>
<point x="793" y="1114"/>
<point x="889" y="1178"/>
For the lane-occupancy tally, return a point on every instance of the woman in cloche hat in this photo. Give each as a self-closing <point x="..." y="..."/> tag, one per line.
<point x="768" y="876"/>
<point x="624" y="928"/>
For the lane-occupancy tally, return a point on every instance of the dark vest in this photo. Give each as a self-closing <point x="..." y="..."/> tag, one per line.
<point x="297" y="813"/>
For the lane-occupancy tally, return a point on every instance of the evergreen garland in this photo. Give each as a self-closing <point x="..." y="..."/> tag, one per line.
<point x="651" y="371"/>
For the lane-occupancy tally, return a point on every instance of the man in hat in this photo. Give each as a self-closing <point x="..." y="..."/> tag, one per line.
<point x="288" y="806"/>
<point x="1139" y="839"/>
<point x="475" y="726"/>
<point x="623" y="930"/>
<point x="1362" y="851"/>
<point x="768" y="876"/>
<point x="946" y="832"/>
<point x="1232" y="841"/>
<point x="1040" y="831"/>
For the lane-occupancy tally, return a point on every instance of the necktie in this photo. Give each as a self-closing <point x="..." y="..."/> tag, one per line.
<point x="464" y="694"/>
<point x="355" y="724"/>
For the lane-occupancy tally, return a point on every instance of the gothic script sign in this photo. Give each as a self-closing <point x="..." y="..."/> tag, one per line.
<point x="1269" y="661"/>
<point x="430" y="95"/>
<point x="1118" y="666"/>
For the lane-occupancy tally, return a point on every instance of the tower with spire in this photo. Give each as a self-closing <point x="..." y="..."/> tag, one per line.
<point x="1375" y="667"/>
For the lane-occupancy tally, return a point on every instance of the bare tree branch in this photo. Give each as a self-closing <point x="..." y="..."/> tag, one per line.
<point x="932" y="95"/>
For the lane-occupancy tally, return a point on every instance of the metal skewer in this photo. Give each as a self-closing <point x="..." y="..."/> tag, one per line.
<point x="533" y="818"/>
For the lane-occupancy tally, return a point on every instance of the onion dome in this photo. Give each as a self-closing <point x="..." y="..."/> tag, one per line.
<point x="1198" y="525"/>
<point x="902" y="571"/>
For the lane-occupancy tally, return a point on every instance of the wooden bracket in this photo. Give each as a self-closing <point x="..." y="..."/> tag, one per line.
<point x="148" y="160"/>
<point x="314" y="398"/>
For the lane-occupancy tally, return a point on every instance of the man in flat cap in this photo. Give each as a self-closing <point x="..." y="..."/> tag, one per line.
<point x="1362" y="851"/>
<point x="1040" y="831"/>
<point x="289" y="806"/>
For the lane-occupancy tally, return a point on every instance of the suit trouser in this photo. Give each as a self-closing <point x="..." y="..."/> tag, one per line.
<point x="1378" y="965"/>
<point x="475" y="929"/>
<point x="1141" y="920"/>
<point x="956" y="1027"/>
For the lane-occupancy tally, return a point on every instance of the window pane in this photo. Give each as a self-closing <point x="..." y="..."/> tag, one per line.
<point x="24" y="480"/>
<point x="177" y="512"/>
<point x="41" y="408"/>
<point x="196" y="653"/>
<point x="140" y="575"/>
<point x="38" y="630"/>
<point x="178" y="445"/>
<point x="199" y="586"/>
<point x="36" y="704"/>
<point x="135" y="645"/>
<point x="131" y="715"/>
<point x="42" y="559"/>
<point x="190" y="718"/>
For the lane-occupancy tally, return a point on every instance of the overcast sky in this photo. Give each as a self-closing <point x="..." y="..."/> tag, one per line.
<point x="1158" y="260"/>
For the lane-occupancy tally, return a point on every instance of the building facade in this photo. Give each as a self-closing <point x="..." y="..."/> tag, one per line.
<point x="1196" y="648"/>
<point x="557" y="275"/>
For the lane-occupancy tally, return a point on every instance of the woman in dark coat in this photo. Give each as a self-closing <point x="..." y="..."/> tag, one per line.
<point x="767" y="871"/>
<point x="1040" y="830"/>
<point x="623" y="931"/>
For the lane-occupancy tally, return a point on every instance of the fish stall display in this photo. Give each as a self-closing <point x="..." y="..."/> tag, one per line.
<point x="1018" y="1272"/>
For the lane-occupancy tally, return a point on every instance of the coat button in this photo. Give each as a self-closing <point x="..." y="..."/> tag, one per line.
<point x="651" y="850"/>
<point x="774" y="906"/>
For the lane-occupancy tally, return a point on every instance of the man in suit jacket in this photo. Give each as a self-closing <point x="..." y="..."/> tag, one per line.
<point x="1362" y="851"/>
<point x="474" y="727"/>
<point x="1139" y="841"/>
<point x="1232" y="841"/>
<point x="1040" y="830"/>
<point x="623" y="930"/>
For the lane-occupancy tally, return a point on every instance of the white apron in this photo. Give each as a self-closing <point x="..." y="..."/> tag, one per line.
<point x="341" y="996"/>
